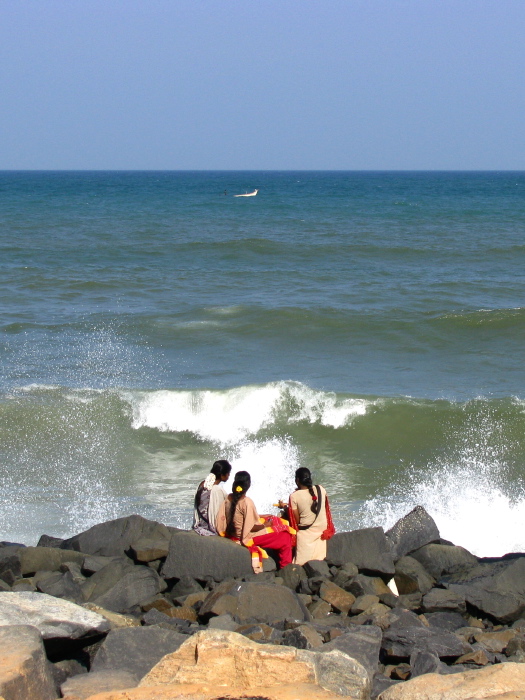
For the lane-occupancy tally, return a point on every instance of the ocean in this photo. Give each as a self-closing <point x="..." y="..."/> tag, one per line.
<point x="366" y="325"/>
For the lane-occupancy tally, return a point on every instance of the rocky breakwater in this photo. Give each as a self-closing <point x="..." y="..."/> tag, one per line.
<point x="132" y="609"/>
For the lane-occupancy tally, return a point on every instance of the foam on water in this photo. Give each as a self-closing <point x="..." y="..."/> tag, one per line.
<point x="467" y="494"/>
<point x="228" y="416"/>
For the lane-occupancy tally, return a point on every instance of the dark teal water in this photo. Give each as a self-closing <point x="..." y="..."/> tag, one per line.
<point x="369" y="326"/>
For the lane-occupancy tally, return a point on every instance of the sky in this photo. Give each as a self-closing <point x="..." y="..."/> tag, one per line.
<point x="262" y="84"/>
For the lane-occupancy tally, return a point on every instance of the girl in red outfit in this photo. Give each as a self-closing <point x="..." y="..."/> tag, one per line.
<point x="239" y="521"/>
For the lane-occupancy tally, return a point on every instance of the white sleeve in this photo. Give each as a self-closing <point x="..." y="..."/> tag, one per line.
<point x="217" y="496"/>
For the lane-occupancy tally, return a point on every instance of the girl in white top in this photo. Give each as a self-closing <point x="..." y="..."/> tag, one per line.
<point x="209" y="497"/>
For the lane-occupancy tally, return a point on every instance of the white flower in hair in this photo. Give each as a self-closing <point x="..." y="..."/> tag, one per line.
<point x="209" y="481"/>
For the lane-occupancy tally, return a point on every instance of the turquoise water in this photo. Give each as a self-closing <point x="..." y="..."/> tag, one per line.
<point x="369" y="326"/>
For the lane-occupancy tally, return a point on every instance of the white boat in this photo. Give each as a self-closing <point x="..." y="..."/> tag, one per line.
<point x="248" y="194"/>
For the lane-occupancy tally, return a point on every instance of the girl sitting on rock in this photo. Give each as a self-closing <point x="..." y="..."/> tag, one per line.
<point x="239" y="521"/>
<point x="209" y="497"/>
<point x="309" y="514"/>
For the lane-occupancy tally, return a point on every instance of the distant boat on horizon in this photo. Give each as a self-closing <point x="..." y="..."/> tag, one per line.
<point x="248" y="194"/>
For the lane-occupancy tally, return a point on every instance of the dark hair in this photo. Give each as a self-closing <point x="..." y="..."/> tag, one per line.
<point x="221" y="467"/>
<point x="304" y="477"/>
<point x="242" y="481"/>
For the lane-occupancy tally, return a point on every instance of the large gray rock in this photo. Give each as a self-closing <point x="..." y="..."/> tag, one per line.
<point x="443" y="559"/>
<point x="203" y="558"/>
<point x="402" y="641"/>
<point x="411" y="577"/>
<point x="116" y="537"/>
<point x="62" y="586"/>
<point x="426" y="662"/>
<point x="88" y="684"/>
<point x="10" y="566"/>
<point x="136" y="649"/>
<point x="413" y="531"/>
<point x="362" y="643"/>
<point x="33" y="559"/>
<point x="368" y="549"/>
<point x="136" y="586"/>
<point x="25" y="673"/>
<point x="258" y="602"/>
<point x="442" y="600"/>
<point x="496" y="589"/>
<point x="54" y="618"/>
<point x="292" y="576"/>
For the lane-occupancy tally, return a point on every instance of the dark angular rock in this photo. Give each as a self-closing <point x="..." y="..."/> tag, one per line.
<point x="136" y="649"/>
<point x="422" y="662"/>
<point x="115" y="538"/>
<point x="33" y="559"/>
<point x="10" y="562"/>
<point x="380" y="683"/>
<point x="155" y="617"/>
<point x="450" y="621"/>
<point x="441" y="560"/>
<point x="367" y="585"/>
<point x="62" y="670"/>
<point x="368" y="549"/>
<point x="316" y="567"/>
<point x="261" y="633"/>
<point x="442" y="600"/>
<point x="302" y="637"/>
<point x="258" y="602"/>
<point x="498" y="590"/>
<point x="184" y="587"/>
<point x="361" y="643"/>
<point x="136" y="586"/>
<point x="413" y="531"/>
<point x="411" y="577"/>
<point x="104" y="579"/>
<point x="411" y="601"/>
<point x="48" y="541"/>
<point x="402" y="642"/>
<point x="223" y="622"/>
<point x="148" y="549"/>
<point x="206" y="557"/>
<point x="62" y="586"/>
<point x="92" y="563"/>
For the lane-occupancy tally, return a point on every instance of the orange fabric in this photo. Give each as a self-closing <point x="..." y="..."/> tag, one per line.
<point x="330" y="530"/>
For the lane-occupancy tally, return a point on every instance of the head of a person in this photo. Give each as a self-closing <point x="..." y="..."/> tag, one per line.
<point x="303" y="477"/>
<point x="241" y="484"/>
<point x="221" y="469"/>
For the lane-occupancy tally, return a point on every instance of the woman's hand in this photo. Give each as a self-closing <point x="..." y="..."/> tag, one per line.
<point x="281" y="504"/>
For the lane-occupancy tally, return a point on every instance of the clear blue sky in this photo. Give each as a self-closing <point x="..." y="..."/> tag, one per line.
<point x="262" y="84"/>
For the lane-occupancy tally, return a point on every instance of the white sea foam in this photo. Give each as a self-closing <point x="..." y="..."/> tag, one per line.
<point x="228" y="416"/>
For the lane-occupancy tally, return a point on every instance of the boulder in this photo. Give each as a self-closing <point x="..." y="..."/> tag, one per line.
<point x="368" y="549"/>
<point x="259" y="602"/>
<point x="402" y="641"/>
<point x="205" y="558"/>
<point x="62" y="586"/>
<point x="94" y="563"/>
<point x="184" y="587"/>
<point x="115" y="538"/>
<point x="338" y="598"/>
<point x="226" y="661"/>
<point x="25" y="672"/>
<point x="442" y="559"/>
<point x="137" y="585"/>
<point x="136" y="649"/>
<point x="116" y="620"/>
<point x="442" y="600"/>
<point x="148" y="549"/>
<point x="411" y="577"/>
<point x="422" y="662"/>
<point x="367" y="585"/>
<point x="105" y="578"/>
<point x="363" y="603"/>
<point x="360" y="643"/>
<point x="33" y="559"/>
<point x="302" y="637"/>
<point x="10" y="566"/>
<point x="316" y="567"/>
<point x="49" y="541"/>
<point x="450" y="621"/>
<point x="54" y="618"/>
<point x="292" y="576"/>
<point x="413" y="531"/>
<point x="81" y="687"/>
<point x="497" y="590"/>
<point x="488" y="682"/>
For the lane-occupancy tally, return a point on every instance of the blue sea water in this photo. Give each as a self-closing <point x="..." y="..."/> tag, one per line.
<point x="367" y="325"/>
